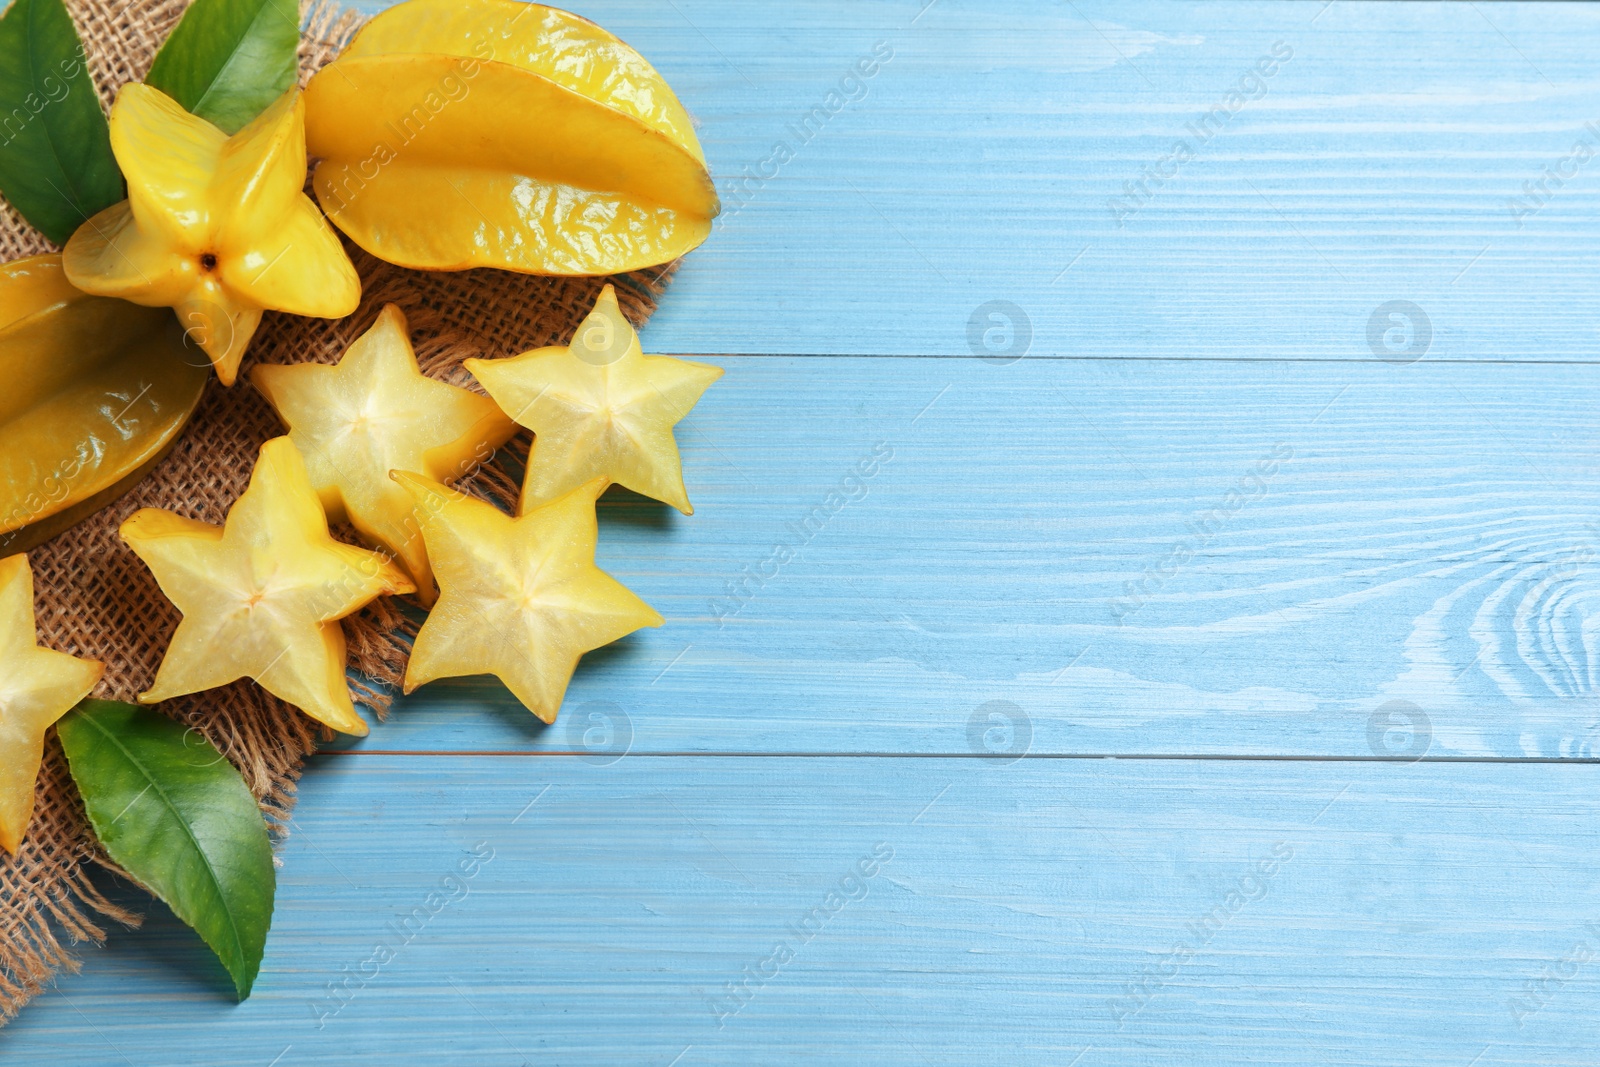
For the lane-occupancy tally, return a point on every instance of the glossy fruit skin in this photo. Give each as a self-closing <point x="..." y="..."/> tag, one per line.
<point x="537" y="141"/>
<point x="215" y="227"/>
<point x="96" y="391"/>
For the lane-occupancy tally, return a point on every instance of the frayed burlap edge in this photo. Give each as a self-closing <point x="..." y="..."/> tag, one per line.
<point x="95" y="599"/>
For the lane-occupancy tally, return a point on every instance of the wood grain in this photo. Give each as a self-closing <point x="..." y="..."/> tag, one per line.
<point x="977" y="165"/>
<point x="1219" y="505"/>
<point x="1238" y="558"/>
<point x="1333" y="914"/>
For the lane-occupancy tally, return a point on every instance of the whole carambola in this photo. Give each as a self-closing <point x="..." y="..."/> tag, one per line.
<point x="96" y="391"/>
<point x="214" y="227"/>
<point x="493" y="133"/>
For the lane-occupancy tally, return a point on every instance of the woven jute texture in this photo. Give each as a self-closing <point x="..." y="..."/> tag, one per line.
<point x="95" y="599"/>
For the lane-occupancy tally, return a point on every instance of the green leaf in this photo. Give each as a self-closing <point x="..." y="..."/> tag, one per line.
<point x="56" y="165"/>
<point x="175" y="814"/>
<point x="228" y="59"/>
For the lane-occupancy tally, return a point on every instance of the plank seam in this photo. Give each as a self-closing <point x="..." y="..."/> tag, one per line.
<point x="1193" y="757"/>
<point x="1355" y="360"/>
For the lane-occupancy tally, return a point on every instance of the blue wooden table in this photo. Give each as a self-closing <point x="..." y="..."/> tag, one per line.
<point x="1205" y="671"/>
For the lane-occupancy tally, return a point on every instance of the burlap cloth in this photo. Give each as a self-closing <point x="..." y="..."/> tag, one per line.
<point x="94" y="597"/>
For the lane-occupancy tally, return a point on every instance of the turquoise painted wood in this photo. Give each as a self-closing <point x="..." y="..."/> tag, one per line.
<point x="1376" y="163"/>
<point x="1204" y="505"/>
<point x="551" y="911"/>
<point x="1304" y="543"/>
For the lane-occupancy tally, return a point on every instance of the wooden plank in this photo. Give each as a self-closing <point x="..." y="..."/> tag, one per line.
<point x="1428" y="540"/>
<point x="1333" y="914"/>
<point x="1303" y="544"/>
<point x="1378" y="163"/>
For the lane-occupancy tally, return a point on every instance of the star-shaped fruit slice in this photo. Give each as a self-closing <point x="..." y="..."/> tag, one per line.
<point x="262" y="595"/>
<point x="373" y="413"/>
<point x="215" y="227"/>
<point x="599" y="408"/>
<point x="37" y="687"/>
<point x="518" y="598"/>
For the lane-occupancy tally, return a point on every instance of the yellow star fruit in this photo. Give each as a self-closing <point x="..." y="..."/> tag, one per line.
<point x="599" y="407"/>
<point x="518" y="598"/>
<point x="214" y="226"/>
<point x="373" y="413"/>
<point x="261" y="596"/>
<point x="96" y="392"/>
<point x="494" y="133"/>
<point x="37" y="687"/>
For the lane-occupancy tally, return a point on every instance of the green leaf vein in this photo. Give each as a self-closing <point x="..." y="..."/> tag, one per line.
<point x="216" y="882"/>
